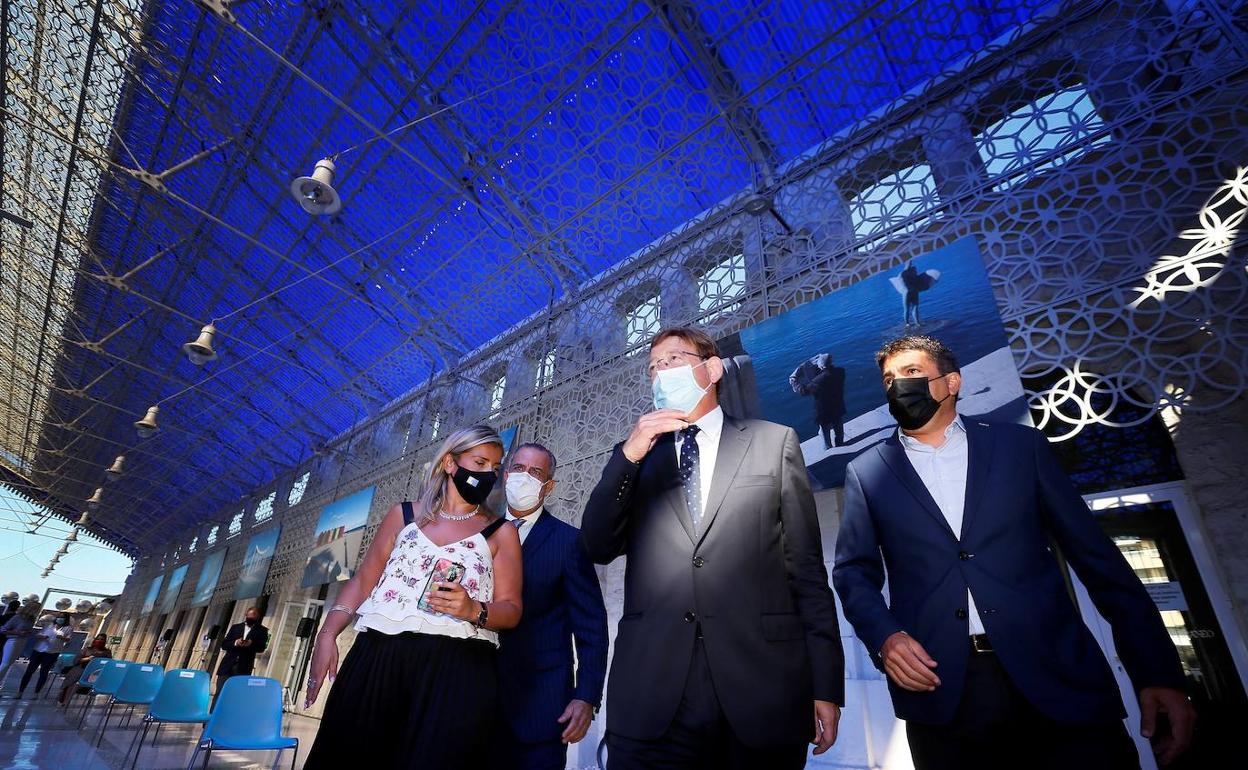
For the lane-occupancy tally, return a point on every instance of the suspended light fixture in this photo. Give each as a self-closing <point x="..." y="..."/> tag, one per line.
<point x="93" y="502"/>
<point x="64" y="549"/>
<point x="316" y="193"/>
<point x="64" y="603"/>
<point x="147" y="427"/>
<point x="200" y="351"/>
<point x="756" y="203"/>
<point x="114" y="470"/>
<point x="73" y="536"/>
<point x="82" y="519"/>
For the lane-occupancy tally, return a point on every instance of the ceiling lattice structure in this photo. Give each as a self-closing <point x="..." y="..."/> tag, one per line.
<point x="493" y="157"/>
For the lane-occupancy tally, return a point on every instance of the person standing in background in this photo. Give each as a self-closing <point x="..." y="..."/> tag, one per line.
<point x="548" y="693"/>
<point x="241" y="644"/>
<point x="15" y="631"/>
<point x="51" y="641"/>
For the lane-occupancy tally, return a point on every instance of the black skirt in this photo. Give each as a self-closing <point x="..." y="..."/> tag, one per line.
<point x="409" y="702"/>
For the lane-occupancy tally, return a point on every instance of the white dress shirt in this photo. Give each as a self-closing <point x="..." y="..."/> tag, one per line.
<point x="711" y="426"/>
<point x="246" y="629"/>
<point x="942" y="470"/>
<point x="529" y="521"/>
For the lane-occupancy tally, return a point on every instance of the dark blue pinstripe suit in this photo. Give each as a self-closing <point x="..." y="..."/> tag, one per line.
<point x="562" y="606"/>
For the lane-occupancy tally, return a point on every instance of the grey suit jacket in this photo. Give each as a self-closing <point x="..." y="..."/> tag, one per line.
<point x="752" y="579"/>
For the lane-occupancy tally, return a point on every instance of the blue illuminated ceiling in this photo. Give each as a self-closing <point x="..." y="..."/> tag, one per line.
<point x="556" y="139"/>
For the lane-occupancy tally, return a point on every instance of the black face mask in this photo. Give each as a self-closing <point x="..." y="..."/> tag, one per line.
<point x="251" y="621"/>
<point x="474" y="486"/>
<point x="910" y="401"/>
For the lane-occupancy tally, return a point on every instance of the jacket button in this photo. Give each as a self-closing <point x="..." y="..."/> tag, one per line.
<point x="698" y="561"/>
<point x="690" y="617"/>
<point x="960" y="614"/>
<point x="964" y="556"/>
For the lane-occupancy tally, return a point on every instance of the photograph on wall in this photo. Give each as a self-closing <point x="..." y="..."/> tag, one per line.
<point x="149" y="602"/>
<point x="339" y="535"/>
<point x="259" y="553"/>
<point x="173" y="588"/>
<point x="209" y="574"/>
<point x="814" y="366"/>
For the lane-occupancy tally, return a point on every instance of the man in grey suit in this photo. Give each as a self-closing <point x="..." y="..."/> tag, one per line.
<point x="728" y="653"/>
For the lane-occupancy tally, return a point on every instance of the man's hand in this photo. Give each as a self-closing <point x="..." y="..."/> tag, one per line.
<point x="827" y="717"/>
<point x="908" y="664"/>
<point x="648" y="429"/>
<point x="1178" y="710"/>
<point x="577" y="717"/>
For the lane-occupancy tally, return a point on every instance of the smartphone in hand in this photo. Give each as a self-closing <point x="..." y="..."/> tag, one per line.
<point x="444" y="571"/>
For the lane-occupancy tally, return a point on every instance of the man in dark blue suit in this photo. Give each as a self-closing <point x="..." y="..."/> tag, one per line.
<point x="547" y="701"/>
<point x="988" y="659"/>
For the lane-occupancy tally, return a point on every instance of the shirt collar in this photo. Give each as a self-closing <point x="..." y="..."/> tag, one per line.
<point x="712" y="423"/>
<point x="909" y="442"/>
<point x="531" y="519"/>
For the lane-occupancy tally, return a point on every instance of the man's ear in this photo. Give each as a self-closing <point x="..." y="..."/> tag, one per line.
<point x="715" y="369"/>
<point x="955" y="382"/>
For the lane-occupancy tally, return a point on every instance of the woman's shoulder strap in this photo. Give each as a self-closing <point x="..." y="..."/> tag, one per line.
<point x="409" y="512"/>
<point x="493" y="526"/>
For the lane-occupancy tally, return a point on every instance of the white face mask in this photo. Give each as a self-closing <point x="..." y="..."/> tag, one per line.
<point x="676" y="388"/>
<point x="523" y="491"/>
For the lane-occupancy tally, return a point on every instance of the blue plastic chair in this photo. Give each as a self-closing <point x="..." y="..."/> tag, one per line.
<point x="138" y="688"/>
<point x="87" y="677"/>
<point x="248" y="717"/>
<point x="111" y="675"/>
<point x="182" y="699"/>
<point x="63" y="662"/>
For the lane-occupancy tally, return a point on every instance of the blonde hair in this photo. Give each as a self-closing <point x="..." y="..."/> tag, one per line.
<point x="433" y="491"/>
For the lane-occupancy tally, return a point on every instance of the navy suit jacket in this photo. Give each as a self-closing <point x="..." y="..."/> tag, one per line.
<point x="562" y="606"/>
<point x="1019" y="501"/>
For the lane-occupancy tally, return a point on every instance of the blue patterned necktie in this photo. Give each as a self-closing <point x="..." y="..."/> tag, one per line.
<point x="691" y="474"/>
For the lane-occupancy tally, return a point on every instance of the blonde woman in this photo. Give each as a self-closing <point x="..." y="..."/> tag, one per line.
<point x="417" y="689"/>
<point x="15" y="631"/>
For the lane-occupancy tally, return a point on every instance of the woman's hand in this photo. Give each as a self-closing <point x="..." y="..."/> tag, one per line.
<point x="450" y="598"/>
<point x="324" y="666"/>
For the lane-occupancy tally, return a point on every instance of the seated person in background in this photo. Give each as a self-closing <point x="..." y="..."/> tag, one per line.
<point x="96" y="649"/>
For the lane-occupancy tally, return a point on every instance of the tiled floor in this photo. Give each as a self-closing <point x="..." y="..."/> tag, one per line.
<point x="37" y="735"/>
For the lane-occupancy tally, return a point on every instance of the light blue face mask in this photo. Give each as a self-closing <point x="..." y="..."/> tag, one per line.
<point x="677" y="389"/>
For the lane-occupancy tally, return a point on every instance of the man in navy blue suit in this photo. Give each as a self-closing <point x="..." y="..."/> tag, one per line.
<point x="988" y="659"/>
<point x="548" y="702"/>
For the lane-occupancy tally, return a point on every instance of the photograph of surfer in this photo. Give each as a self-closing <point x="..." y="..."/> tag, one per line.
<point x="909" y="284"/>
<point x="819" y="378"/>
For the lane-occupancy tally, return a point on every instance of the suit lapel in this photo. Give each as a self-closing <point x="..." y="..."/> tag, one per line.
<point x="895" y="457"/>
<point x="667" y="481"/>
<point x="734" y="440"/>
<point x="541" y="530"/>
<point x="978" y="464"/>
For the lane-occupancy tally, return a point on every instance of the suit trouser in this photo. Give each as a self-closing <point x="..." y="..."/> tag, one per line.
<point x="42" y="661"/>
<point x="700" y="736"/>
<point x="996" y="727"/>
<point x="514" y="754"/>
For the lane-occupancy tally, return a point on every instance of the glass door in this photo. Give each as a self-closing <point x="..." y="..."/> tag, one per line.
<point x="1158" y="533"/>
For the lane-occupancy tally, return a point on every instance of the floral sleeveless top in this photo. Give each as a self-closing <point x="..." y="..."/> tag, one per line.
<point x="392" y="606"/>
